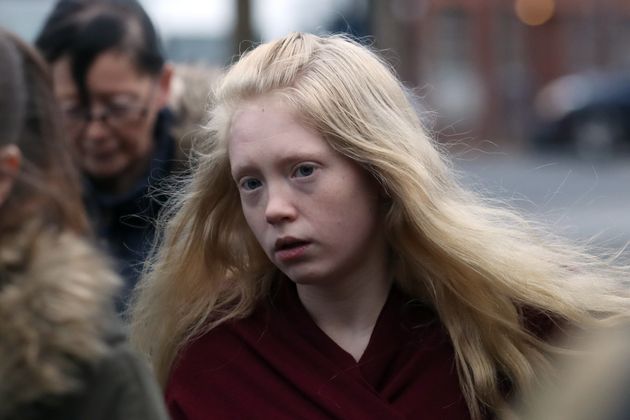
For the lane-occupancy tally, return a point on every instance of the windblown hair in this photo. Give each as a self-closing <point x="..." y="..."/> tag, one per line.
<point x="481" y="267"/>
<point x="47" y="186"/>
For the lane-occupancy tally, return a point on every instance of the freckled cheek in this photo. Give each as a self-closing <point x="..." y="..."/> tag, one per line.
<point x="334" y="215"/>
<point x="348" y="212"/>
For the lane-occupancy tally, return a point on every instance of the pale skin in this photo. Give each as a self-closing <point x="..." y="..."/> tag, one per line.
<point x="317" y="215"/>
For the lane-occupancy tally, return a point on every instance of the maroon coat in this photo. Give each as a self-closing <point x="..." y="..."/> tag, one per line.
<point x="278" y="364"/>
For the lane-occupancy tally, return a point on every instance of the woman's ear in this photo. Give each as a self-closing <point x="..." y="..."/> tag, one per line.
<point x="164" y="85"/>
<point x="10" y="162"/>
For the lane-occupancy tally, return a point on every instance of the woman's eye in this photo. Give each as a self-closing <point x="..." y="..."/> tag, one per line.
<point x="119" y="109"/>
<point x="250" y="184"/>
<point x="304" y="170"/>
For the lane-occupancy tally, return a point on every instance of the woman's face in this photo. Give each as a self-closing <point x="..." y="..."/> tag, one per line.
<point x="113" y="138"/>
<point x="313" y="211"/>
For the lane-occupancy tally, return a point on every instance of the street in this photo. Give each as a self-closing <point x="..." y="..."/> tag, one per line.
<point x="577" y="199"/>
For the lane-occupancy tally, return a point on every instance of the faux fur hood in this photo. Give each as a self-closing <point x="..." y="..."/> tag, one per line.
<point x="190" y="100"/>
<point x="55" y="308"/>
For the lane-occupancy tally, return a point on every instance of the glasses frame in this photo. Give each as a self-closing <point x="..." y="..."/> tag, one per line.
<point x="104" y="116"/>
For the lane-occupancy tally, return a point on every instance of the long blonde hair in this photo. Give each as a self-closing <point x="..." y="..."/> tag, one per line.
<point x="477" y="264"/>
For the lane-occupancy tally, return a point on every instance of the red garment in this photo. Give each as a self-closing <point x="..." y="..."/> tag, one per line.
<point x="278" y="364"/>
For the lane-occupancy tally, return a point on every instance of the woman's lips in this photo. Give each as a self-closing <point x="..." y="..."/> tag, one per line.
<point x="292" y="253"/>
<point x="290" y="249"/>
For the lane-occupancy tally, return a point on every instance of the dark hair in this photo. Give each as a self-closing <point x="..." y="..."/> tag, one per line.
<point x="47" y="187"/>
<point x="84" y="29"/>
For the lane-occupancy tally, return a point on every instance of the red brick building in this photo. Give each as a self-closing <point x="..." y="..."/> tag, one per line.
<point x="481" y="62"/>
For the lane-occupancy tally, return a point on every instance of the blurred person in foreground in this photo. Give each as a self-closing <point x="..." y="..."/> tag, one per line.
<point x="594" y="384"/>
<point x="337" y="269"/>
<point x="63" y="353"/>
<point x="113" y="85"/>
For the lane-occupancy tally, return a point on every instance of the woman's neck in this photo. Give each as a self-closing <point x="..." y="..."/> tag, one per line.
<point x="347" y="311"/>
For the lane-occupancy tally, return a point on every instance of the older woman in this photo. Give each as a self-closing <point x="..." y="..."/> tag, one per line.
<point x="113" y="85"/>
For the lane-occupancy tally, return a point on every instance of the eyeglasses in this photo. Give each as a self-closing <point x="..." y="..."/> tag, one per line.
<point x="114" y="114"/>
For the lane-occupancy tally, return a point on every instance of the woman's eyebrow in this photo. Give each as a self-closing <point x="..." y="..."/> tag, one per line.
<point x="240" y="170"/>
<point x="287" y="158"/>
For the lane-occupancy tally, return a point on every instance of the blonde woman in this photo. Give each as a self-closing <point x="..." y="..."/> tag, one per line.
<point x="323" y="262"/>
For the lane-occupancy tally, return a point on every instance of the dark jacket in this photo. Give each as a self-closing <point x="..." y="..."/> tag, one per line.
<point x="63" y="353"/>
<point x="126" y="223"/>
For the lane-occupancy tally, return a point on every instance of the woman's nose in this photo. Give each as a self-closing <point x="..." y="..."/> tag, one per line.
<point x="95" y="128"/>
<point x="280" y="206"/>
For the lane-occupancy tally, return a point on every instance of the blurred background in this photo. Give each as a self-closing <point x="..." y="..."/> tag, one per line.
<point x="532" y="97"/>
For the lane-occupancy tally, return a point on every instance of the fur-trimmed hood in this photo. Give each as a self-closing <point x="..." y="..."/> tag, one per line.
<point x="55" y="308"/>
<point x="190" y="101"/>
